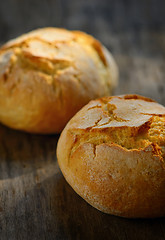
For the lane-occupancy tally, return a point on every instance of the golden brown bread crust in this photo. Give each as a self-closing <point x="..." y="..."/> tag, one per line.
<point x="47" y="75"/>
<point x="112" y="152"/>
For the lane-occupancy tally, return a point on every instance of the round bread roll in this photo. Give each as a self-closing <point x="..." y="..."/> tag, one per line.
<point x="47" y="75"/>
<point x="112" y="153"/>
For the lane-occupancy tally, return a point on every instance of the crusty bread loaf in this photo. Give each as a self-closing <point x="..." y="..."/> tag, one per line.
<point x="47" y="75"/>
<point x="112" y="152"/>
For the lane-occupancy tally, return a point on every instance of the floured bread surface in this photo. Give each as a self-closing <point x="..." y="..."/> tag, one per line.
<point x="112" y="152"/>
<point x="47" y="75"/>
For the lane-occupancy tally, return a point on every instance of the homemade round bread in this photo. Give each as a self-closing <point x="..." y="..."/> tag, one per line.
<point x="112" y="152"/>
<point x="47" y="75"/>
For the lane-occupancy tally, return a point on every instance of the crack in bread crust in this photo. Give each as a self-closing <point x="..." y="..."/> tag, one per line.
<point x="101" y="130"/>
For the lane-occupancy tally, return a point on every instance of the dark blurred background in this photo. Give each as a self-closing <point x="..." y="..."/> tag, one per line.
<point x="133" y="30"/>
<point x="97" y="17"/>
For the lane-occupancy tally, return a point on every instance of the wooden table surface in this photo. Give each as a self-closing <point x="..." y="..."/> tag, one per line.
<point x="35" y="200"/>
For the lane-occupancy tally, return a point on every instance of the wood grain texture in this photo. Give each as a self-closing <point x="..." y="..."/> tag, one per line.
<point x="35" y="200"/>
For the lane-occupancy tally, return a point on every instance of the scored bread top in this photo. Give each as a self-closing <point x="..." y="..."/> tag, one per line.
<point x="131" y="121"/>
<point x="51" y="50"/>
